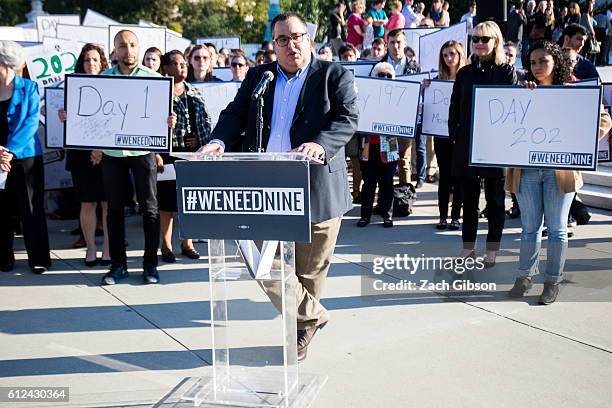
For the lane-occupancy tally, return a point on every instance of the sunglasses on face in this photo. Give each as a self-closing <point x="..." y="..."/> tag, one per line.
<point x="237" y="65"/>
<point x="384" y="75"/>
<point x="482" y="39"/>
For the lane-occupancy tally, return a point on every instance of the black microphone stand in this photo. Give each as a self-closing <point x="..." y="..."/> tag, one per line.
<point x="260" y="122"/>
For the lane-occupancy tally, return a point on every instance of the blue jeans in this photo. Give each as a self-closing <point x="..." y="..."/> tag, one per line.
<point x="539" y="199"/>
<point x="421" y="152"/>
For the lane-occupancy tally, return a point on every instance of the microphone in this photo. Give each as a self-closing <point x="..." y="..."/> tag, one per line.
<point x="261" y="87"/>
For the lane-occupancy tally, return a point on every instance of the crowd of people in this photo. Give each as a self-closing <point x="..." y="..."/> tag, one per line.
<point x="105" y="182"/>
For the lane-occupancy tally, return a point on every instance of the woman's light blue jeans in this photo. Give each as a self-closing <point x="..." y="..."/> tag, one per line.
<point x="539" y="199"/>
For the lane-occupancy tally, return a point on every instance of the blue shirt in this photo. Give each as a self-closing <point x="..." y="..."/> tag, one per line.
<point x="286" y="95"/>
<point x="22" y="115"/>
<point x="379" y="31"/>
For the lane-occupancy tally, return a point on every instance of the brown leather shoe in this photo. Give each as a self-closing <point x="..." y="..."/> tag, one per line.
<point x="304" y="337"/>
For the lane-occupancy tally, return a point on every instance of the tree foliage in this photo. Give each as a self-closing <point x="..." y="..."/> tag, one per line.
<point x="247" y="18"/>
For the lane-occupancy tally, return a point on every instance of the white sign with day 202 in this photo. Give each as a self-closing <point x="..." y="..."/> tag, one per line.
<point x="514" y="127"/>
<point x="217" y="95"/>
<point x="231" y="42"/>
<point x="147" y="37"/>
<point x="54" y="128"/>
<point x="47" y="25"/>
<point x="117" y="112"/>
<point x="436" y="102"/>
<point x="430" y="44"/>
<point x="387" y="107"/>
<point x="48" y="64"/>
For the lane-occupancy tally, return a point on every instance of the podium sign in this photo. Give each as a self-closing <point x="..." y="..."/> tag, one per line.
<point x="259" y="199"/>
<point x="251" y="207"/>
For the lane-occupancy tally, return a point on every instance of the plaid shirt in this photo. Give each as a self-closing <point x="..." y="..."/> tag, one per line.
<point x="202" y="119"/>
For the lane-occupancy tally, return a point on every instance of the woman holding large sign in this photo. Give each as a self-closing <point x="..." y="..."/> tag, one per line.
<point x="192" y="131"/>
<point x="21" y="163"/>
<point x="378" y="160"/>
<point x="545" y="193"/>
<point x="452" y="58"/>
<point x="87" y="176"/>
<point x="488" y="67"/>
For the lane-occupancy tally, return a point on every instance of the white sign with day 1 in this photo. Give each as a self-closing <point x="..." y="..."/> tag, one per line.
<point x="387" y="107"/>
<point x="554" y="127"/>
<point x="117" y="112"/>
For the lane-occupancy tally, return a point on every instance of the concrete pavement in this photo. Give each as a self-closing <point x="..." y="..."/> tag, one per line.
<point x="136" y="345"/>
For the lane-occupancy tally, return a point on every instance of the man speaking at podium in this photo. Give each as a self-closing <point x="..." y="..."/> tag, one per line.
<point x="310" y="106"/>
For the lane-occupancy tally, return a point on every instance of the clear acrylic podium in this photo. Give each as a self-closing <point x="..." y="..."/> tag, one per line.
<point x="253" y="289"/>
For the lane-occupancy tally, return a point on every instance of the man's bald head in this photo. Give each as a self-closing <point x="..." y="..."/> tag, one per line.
<point x="125" y="35"/>
<point x="127" y="50"/>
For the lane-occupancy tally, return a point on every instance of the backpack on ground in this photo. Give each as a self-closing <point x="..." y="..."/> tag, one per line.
<point x="404" y="196"/>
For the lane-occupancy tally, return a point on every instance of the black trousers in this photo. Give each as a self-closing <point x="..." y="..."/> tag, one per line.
<point x="24" y="191"/>
<point x="495" y="196"/>
<point x="115" y="174"/>
<point x="447" y="184"/>
<point x="375" y="172"/>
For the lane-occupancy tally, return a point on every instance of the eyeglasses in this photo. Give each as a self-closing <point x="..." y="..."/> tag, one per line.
<point x="384" y="75"/>
<point x="284" y="41"/>
<point x="237" y="65"/>
<point x="200" y="58"/>
<point x="483" y="40"/>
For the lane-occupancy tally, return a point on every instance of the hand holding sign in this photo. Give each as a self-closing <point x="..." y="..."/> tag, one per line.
<point x="5" y="159"/>
<point x="96" y="157"/>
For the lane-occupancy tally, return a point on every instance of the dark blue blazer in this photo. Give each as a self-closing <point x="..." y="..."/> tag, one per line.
<point x="326" y="113"/>
<point x="22" y="117"/>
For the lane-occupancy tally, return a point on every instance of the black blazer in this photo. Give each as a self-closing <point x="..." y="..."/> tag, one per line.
<point x="326" y="114"/>
<point x="460" y="113"/>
